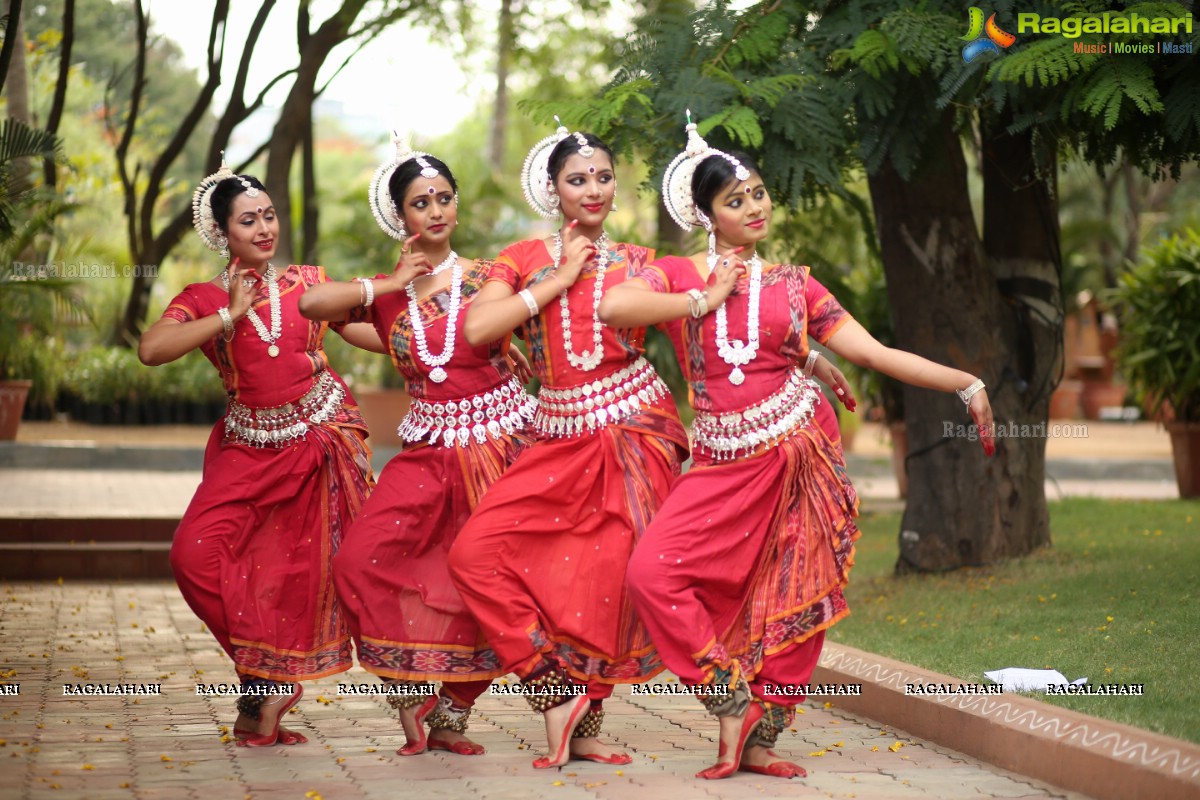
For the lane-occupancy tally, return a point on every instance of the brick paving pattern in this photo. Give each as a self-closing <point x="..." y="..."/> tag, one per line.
<point x="172" y="746"/>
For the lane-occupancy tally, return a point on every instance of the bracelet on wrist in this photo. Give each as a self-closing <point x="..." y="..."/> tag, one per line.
<point x="226" y="322"/>
<point x="966" y="394"/>
<point x="366" y="292"/>
<point x="811" y="363"/>
<point x="697" y="303"/>
<point x="531" y="302"/>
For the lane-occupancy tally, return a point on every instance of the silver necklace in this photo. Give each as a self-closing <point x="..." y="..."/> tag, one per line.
<point x="450" y="261"/>
<point x="437" y="374"/>
<point x="737" y="353"/>
<point x="269" y="336"/>
<point x="587" y="360"/>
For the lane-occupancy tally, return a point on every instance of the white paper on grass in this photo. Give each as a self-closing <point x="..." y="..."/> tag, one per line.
<point x="1019" y="679"/>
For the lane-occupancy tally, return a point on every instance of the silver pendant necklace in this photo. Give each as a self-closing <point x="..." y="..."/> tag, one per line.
<point x="588" y="359"/>
<point x="437" y="374"/>
<point x="737" y="353"/>
<point x="269" y="336"/>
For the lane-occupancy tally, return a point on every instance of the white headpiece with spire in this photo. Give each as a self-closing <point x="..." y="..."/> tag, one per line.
<point x="677" y="181"/>
<point x="206" y="225"/>
<point x="535" y="173"/>
<point x="383" y="208"/>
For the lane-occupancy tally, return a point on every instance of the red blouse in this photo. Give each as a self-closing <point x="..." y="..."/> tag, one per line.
<point x="250" y="375"/>
<point x="470" y="371"/>
<point x="792" y="306"/>
<point x="525" y="263"/>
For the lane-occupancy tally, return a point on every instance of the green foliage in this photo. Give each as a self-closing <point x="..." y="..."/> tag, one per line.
<point x="32" y="305"/>
<point x="1157" y="303"/>
<point x="1044" y="62"/>
<point x="19" y="141"/>
<point x="1105" y="106"/>
<point x="41" y="359"/>
<point x="749" y="83"/>
<point x="108" y="375"/>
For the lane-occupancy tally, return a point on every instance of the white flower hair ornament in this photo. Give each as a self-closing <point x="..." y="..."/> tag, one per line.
<point x="379" y="196"/>
<point x="677" y="181"/>
<point x="206" y="225"/>
<point x="535" y="173"/>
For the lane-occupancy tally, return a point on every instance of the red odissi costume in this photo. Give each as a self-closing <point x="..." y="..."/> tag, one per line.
<point x="541" y="563"/>
<point x="742" y="569"/>
<point x="285" y="472"/>
<point x="408" y="621"/>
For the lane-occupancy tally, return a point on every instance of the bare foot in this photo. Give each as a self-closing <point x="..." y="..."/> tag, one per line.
<point x="265" y="731"/>
<point x="590" y="748"/>
<point x="561" y="722"/>
<point x="454" y="742"/>
<point x="765" y="761"/>
<point x="412" y="719"/>
<point x="267" y="714"/>
<point x="734" y="731"/>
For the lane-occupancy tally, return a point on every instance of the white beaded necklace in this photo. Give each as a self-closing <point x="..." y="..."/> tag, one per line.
<point x="437" y="374"/>
<point x="450" y="261"/>
<point x="736" y="353"/>
<point x="271" y="336"/>
<point x="588" y="360"/>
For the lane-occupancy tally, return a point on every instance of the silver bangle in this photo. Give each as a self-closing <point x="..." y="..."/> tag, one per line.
<point x="369" y="288"/>
<point x="530" y="302"/>
<point x="811" y="363"/>
<point x="966" y="394"/>
<point x="226" y="322"/>
<point x="697" y="303"/>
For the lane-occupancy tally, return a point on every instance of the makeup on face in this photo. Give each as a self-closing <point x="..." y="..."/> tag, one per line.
<point x="429" y="207"/>
<point x="586" y="187"/>
<point x="253" y="228"/>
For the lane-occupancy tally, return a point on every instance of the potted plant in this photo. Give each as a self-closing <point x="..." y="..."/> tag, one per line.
<point x="1158" y="304"/>
<point x="32" y="301"/>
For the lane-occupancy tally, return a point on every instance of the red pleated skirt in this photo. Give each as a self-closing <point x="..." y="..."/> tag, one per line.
<point x="408" y="620"/>
<point x="541" y="563"/>
<point x="746" y="561"/>
<point x="253" y="552"/>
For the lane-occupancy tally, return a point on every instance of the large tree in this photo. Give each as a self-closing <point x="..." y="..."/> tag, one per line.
<point x="817" y="88"/>
<point x="148" y="149"/>
<point x="354" y="21"/>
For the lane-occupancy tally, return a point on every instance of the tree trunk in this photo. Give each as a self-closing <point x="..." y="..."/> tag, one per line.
<point x="49" y="168"/>
<point x="1022" y="242"/>
<point x="17" y="88"/>
<point x="310" y="208"/>
<point x="947" y="307"/>
<point x="12" y="10"/>
<point x="504" y="49"/>
<point x="294" y="117"/>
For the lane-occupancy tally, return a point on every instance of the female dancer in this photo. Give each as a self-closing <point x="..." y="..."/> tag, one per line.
<point x="742" y="569"/>
<point x="466" y="425"/>
<point x="541" y="563"/>
<point x="285" y="471"/>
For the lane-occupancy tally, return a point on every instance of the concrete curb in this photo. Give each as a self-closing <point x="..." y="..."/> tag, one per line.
<point x="1102" y="759"/>
<point x="73" y="455"/>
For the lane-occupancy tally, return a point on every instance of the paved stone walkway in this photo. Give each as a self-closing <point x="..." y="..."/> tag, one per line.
<point x="171" y="746"/>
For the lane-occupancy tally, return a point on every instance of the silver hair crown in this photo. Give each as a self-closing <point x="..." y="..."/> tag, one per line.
<point x="535" y="173"/>
<point x="677" y="181"/>
<point x="585" y="149"/>
<point x="206" y="225"/>
<point x="383" y="208"/>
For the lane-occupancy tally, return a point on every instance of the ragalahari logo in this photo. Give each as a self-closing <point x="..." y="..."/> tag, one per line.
<point x="984" y="37"/>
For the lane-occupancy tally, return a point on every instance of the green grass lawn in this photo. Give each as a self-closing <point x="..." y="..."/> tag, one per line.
<point x="1116" y="598"/>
